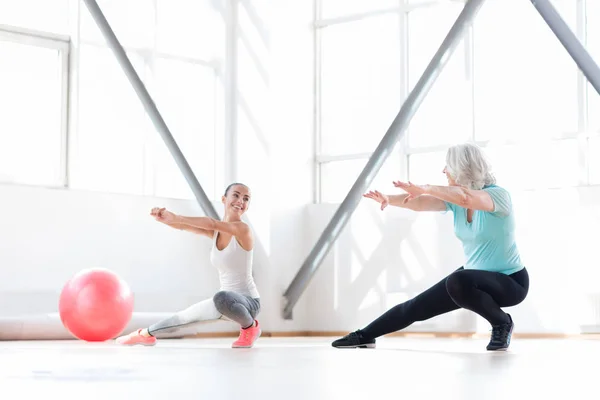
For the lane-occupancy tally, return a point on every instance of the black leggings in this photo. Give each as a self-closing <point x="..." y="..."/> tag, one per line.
<point x="483" y="292"/>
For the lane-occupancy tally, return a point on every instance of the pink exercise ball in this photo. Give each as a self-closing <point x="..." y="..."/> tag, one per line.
<point x="95" y="305"/>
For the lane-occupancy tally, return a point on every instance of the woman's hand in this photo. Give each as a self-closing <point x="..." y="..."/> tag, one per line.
<point x="162" y="215"/>
<point x="413" y="191"/>
<point x="378" y="197"/>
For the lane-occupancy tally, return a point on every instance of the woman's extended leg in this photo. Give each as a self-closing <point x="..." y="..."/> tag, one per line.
<point x="482" y="292"/>
<point x="202" y="311"/>
<point x="434" y="301"/>
<point x="224" y="305"/>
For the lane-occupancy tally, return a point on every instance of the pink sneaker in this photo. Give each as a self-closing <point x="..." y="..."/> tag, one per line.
<point x="136" y="337"/>
<point x="247" y="337"/>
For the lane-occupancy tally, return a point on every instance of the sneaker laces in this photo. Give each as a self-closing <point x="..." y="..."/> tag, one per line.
<point x="353" y="338"/>
<point x="500" y="333"/>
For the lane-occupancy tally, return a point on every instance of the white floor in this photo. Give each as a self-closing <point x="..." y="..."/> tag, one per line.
<point x="301" y="368"/>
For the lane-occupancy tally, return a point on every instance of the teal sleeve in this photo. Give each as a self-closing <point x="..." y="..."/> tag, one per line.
<point x="501" y="199"/>
<point x="449" y="206"/>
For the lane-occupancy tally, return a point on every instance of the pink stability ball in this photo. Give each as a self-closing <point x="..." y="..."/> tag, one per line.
<point x="95" y="305"/>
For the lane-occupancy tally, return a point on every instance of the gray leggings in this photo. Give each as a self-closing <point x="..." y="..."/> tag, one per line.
<point x="224" y="305"/>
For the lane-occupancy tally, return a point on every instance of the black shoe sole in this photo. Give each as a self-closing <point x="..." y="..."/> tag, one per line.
<point x="498" y="349"/>
<point x="358" y="346"/>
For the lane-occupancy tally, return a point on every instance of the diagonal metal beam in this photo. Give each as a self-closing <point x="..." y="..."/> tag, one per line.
<point x="381" y="153"/>
<point x="569" y="40"/>
<point x="150" y="108"/>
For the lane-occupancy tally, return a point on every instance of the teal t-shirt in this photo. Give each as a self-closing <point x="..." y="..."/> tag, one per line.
<point x="489" y="240"/>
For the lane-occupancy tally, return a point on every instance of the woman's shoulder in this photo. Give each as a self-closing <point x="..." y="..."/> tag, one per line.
<point x="501" y="198"/>
<point x="495" y="188"/>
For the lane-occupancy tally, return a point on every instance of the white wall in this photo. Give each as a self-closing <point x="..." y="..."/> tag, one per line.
<point x="47" y="235"/>
<point x="384" y="258"/>
<point x="379" y="260"/>
<point x="50" y="234"/>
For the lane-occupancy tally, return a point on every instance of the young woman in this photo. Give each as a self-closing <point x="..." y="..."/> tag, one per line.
<point x="231" y="253"/>
<point x="493" y="275"/>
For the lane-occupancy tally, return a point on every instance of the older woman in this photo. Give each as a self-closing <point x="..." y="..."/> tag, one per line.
<point x="493" y="275"/>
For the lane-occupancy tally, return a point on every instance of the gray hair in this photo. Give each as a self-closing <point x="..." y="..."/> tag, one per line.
<point x="469" y="167"/>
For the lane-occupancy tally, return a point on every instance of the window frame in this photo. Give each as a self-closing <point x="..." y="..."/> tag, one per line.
<point x="62" y="44"/>
<point x="321" y="158"/>
<point x="221" y="66"/>
<point x="584" y="132"/>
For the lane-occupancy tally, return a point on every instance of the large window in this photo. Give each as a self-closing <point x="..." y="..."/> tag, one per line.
<point x="190" y="28"/>
<point x="33" y="95"/>
<point x="593" y="97"/>
<point x="74" y="118"/>
<point x="341" y="8"/>
<point x="108" y="149"/>
<point x="427" y="167"/>
<point x="337" y="177"/>
<point x="445" y="115"/>
<point x="188" y="106"/>
<point x="514" y="91"/>
<point x="133" y="22"/>
<point x="39" y="15"/>
<point x="593" y="45"/>
<point x="173" y="46"/>
<point x="360" y="95"/>
<point x="525" y="83"/>
<point x="360" y="83"/>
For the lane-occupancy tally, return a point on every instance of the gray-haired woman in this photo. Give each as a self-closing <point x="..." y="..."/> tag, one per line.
<point x="493" y="275"/>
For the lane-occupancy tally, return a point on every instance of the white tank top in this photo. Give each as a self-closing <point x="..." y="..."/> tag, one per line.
<point x="235" y="267"/>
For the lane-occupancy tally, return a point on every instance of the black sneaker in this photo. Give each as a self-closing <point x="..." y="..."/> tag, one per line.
<point x="354" y="340"/>
<point x="501" y="335"/>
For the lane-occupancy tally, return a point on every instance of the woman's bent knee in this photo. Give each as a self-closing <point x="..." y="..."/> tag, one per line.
<point x="455" y="284"/>
<point x="222" y="301"/>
